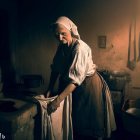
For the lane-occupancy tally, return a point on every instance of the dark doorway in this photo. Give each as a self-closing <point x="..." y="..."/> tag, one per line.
<point x="7" y="71"/>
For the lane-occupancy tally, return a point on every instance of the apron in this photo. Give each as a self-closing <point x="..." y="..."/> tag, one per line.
<point x="92" y="108"/>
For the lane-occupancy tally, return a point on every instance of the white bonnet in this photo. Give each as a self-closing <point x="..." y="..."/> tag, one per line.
<point x="69" y="25"/>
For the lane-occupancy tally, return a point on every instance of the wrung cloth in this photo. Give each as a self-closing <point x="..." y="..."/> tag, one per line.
<point x="58" y="125"/>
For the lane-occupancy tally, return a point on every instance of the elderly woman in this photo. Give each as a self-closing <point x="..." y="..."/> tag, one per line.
<point x="92" y="111"/>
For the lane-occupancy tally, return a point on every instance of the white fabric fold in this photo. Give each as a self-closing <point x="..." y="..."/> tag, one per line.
<point x="58" y="125"/>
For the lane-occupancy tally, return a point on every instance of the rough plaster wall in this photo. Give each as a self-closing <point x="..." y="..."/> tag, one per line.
<point x="111" y="18"/>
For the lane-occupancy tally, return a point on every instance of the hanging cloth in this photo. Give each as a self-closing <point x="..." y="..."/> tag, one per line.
<point x="58" y="125"/>
<point x="138" y="59"/>
<point x="131" y="64"/>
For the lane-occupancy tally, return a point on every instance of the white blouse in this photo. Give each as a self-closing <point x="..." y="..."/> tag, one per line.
<point x="74" y="63"/>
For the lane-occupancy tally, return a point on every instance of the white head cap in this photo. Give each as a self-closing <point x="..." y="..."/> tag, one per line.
<point x="66" y="22"/>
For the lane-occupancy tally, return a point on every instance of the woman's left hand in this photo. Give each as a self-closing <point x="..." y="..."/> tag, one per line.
<point x="52" y="106"/>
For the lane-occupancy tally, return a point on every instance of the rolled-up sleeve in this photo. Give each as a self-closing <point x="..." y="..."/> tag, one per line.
<point x="78" y="68"/>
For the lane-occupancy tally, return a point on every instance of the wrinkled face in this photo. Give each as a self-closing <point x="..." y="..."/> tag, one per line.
<point x="62" y="34"/>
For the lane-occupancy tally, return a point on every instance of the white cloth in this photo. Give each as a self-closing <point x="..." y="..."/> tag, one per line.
<point x="69" y="25"/>
<point x="58" y="125"/>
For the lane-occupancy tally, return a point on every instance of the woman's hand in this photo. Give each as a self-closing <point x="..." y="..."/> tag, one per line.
<point x="52" y="106"/>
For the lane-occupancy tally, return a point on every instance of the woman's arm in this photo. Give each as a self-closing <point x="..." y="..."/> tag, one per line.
<point x="56" y="103"/>
<point x="69" y="89"/>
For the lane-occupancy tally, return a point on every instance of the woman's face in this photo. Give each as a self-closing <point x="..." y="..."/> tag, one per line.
<point x="63" y="35"/>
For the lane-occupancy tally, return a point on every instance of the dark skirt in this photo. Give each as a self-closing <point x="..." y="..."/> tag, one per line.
<point x="89" y="107"/>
